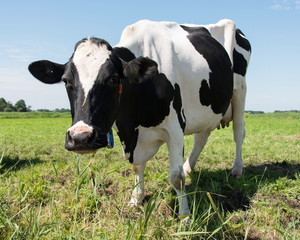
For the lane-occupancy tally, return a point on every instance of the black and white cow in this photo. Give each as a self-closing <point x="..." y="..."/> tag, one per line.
<point x="161" y="82"/>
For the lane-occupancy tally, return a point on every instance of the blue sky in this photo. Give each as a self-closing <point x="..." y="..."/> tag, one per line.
<point x="33" y="30"/>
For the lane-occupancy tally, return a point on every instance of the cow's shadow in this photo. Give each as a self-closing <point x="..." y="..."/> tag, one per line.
<point x="232" y="194"/>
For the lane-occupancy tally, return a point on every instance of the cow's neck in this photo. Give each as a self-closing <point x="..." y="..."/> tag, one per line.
<point x="143" y="104"/>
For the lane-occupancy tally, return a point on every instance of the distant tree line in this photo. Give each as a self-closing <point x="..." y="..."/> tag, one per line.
<point x="276" y="111"/>
<point x="280" y="111"/>
<point x="61" y="110"/>
<point x="20" y="106"/>
<point x="254" y="112"/>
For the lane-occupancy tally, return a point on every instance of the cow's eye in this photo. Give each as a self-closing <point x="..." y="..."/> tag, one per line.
<point x="114" y="81"/>
<point x="68" y="85"/>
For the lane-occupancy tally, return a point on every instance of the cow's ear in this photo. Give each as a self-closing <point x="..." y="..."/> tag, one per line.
<point x="140" y="69"/>
<point x="46" y="71"/>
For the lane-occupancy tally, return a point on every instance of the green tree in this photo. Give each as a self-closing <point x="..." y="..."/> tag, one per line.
<point x="3" y="104"/>
<point x="20" y="106"/>
<point x="9" y="107"/>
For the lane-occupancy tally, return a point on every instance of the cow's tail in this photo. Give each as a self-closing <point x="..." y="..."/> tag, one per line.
<point x="241" y="53"/>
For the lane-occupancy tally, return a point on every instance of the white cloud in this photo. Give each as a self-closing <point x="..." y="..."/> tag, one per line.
<point x="9" y="52"/>
<point x="21" y="58"/>
<point x="285" y="5"/>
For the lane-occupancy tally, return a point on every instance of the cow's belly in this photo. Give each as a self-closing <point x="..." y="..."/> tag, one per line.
<point x="200" y="118"/>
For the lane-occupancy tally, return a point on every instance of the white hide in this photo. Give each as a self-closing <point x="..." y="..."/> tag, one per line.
<point x="88" y="59"/>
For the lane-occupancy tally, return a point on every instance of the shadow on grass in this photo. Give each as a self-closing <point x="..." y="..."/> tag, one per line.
<point x="233" y="194"/>
<point x="15" y="164"/>
<point x="230" y="193"/>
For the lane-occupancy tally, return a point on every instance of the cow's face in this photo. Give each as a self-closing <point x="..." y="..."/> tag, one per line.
<point x="92" y="77"/>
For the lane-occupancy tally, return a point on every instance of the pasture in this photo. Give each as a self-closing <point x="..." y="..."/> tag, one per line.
<point x="47" y="192"/>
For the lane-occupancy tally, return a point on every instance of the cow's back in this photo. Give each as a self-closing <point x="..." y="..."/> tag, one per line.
<point x="188" y="56"/>
<point x="235" y="43"/>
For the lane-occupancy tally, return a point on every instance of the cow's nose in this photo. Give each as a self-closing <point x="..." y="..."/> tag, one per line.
<point x="80" y="138"/>
<point x="80" y="135"/>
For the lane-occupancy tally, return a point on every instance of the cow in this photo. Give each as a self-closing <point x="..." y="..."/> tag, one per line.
<point x="162" y="81"/>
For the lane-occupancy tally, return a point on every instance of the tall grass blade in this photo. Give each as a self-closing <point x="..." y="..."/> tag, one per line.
<point x="2" y="157"/>
<point x="10" y="168"/>
<point x="78" y="164"/>
<point x="23" y="209"/>
<point x="84" y="170"/>
<point x="262" y="177"/>
<point x="224" y="224"/>
<point x="54" y="168"/>
<point x="148" y="212"/>
<point x="214" y="207"/>
<point x="215" y="231"/>
<point x="23" y="199"/>
<point x="279" y="231"/>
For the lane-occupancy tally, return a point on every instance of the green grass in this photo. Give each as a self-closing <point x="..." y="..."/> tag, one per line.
<point x="47" y="192"/>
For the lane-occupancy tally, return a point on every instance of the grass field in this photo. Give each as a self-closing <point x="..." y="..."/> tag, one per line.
<point x="47" y="192"/>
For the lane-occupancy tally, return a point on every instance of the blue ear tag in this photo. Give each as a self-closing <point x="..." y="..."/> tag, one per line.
<point x="110" y="139"/>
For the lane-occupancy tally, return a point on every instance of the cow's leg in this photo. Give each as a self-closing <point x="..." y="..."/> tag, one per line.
<point x="200" y="140"/>
<point x="238" y="107"/>
<point x="147" y="146"/>
<point x="138" y="193"/>
<point x="176" y="173"/>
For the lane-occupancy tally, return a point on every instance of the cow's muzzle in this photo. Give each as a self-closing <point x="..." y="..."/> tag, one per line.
<point x="83" y="140"/>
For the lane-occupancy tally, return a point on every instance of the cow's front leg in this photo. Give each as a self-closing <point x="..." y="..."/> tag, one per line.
<point x="176" y="173"/>
<point x="138" y="193"/>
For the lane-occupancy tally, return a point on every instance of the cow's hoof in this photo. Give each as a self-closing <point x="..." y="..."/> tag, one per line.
<point x="133" y="202"/>
<point x="237" y="172"/>
<point x="187" y="220"/>
<point x="187" y="169"/>
<point x="186" y="173"/>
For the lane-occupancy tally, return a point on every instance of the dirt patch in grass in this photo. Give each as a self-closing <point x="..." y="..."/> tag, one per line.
<point x="47" y="178"/>
<point x="126" y="172"/>
<point x="297" y="136"/>
<point x="288" y="209"/>
<point x="259" y="234"/>
<point x="65" y="178"/>
<point x="108" y="188"/>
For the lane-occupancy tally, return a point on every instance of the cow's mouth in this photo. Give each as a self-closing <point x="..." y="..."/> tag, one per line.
<point x="85" y="151"/>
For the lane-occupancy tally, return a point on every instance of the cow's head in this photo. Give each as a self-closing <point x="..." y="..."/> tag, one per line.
<point x="92" y="77"/>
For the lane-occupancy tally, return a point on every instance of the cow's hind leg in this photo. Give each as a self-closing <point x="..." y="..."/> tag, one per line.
<point x="200" y="140"/>
<point x="238" y="106"/>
